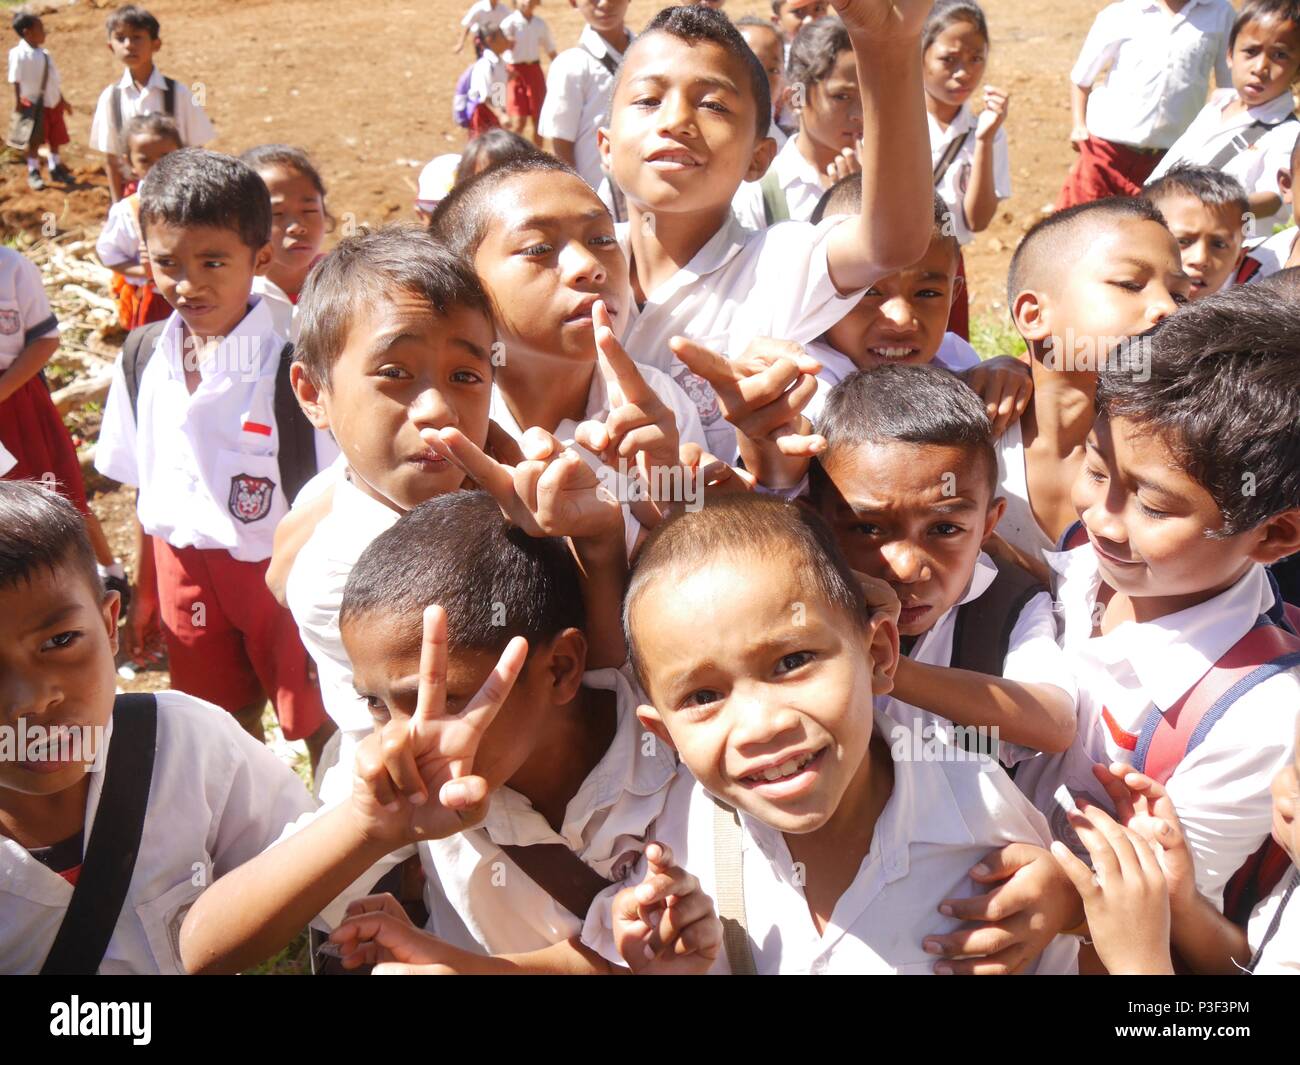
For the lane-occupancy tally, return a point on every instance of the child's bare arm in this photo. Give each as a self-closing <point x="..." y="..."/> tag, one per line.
<point x="981" y="200"/>
<point x="1079" y="114"/>
<point x="129" y="269"/>
<point x="31" y="361"/>
<point x="1039" y="716"/>
<point x="114" y="173"/>
<point x="1264" y="204"/>
<point x="893" y="228"/>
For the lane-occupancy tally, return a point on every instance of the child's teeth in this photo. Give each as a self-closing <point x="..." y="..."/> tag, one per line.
<point x="771" y="773"/>
<point x="790" y="767"/>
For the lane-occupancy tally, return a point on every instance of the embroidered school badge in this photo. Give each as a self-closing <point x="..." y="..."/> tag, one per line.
<point x="250" y="497"/>
<point x="9" y="323"/>
<point x="701" y="394"/>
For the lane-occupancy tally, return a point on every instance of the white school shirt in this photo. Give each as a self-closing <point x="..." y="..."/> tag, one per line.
<point x="27" y="69"/>
<point x="1033" y="657"/>
<point x="800" y="182"/>
<point x="217" y="799"/>
<point x="485" y="15"/>
<point x="1018" y="526"/>
<point x="206" y="470"/>
<point x="284" y="312"/>
<point x="119" y="241"/>
<point x="941" y="819"/>
<point x="956" y="179"/>
<point x="741" y="285"/>
<point x="191" y="120"/>
<point x="954" y="354"/>
<point x="578" y="89"/>
<point x="25" y="313"/>
<point x="1280" y="956"/>
<point x="1160" y="68"/>
<point x="479" y="900"/>
<point x="487" y="75"/>
<point x="1221" y="788"/>
<point x="1272" y="253"/>
<point x="1255" y="167"/>
<point x="529" y="37"/>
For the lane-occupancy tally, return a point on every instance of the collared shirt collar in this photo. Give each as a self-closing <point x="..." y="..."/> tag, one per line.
<point x="234" y="353"/>
<point x="156" y="81"/>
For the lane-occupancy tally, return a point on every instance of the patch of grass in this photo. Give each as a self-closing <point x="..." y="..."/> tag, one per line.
<point x="991" y="336"/>
<point x="292" y="961"/>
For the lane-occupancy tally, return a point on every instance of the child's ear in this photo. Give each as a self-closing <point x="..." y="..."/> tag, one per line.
<point x="110" y="608"/>
<point x="262" y="258"/>
<point x="1277" y="538"/>
<point x="1029" y="314"/>
<point x="764" y="153"/>
<point x="603" y="146"/>
<point x="309" y="396"/>
<point x="653" y="723"/>
<point x="882" y="647"/>
<point x="996" y="509"/>
<point x="567" y="661"/>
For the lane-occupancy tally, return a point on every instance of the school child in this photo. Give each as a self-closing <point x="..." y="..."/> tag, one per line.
<point x="299" y="222"/>
<point x="578" y="85"/>
<point x="1081" y="281"/>
<point x="39" y="105"/>
<point x="487" y="83"/>
<point x="766" y="42"/>
<point x="1268" y="256"/>
<point x="529" y="37"/>
<point x="1174" y="629"/>
<point x="200" y="419"/>
<point x="1208" y="213"/>
<point x="115" y="811"/>
<point x="493" y="147"/>
<point x="436" y="180"/>
<point x="823" y="77"/>
<point x="133" y="38"/>
<point x="791" y="805"/>
<point x="482" y="17"/>
<point x="505" y="691"/>
<point x="1249" y="130"/>
<point x="790" y="16"/>
<point x="119" y="246"/>
<point x="972" y="171"/>
<point x="696" y="271"/>
<point x="1159" y="56"/>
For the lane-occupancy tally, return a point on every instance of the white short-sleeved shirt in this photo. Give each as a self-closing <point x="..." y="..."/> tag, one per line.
<point x="1280" y="955"/>
<point x="1255" y="167"/>
<point x="741" y="285"/>
<point x="954" y="354"/>
<point x="25" y="313"/>
<point x="1018" y="526"/>
<point x="1033" y="657"/>
<point x="191" y="120"/>
<point x="956" y="179"/>
<point x="487" y="75"/>
<point x="479" y="900"/>
<point x="217" y="799"/>
<point x="485" y="15"/>
<point x="800" y="182"/>
<point x="1160" y="68"/>
<point x="27" y="71"/>
<point x="1221" y="788"/>
<point x="119" y="241"/>
<point x="941" y="819"/>
<point x="1272" y="253"/>
<point x="529" y="37"/>
<point x="578" y="88"/>
<point x="205" y="464"/>
<point x="284" y="312"/>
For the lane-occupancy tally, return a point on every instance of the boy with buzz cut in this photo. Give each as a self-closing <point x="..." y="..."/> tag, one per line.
<point x="1209" y="215"/>
<point x="688" y="123"/>
<point x="133" y="38"/>
<point x="115" y="810"/>
<point x="201" y="420"/>
<point x="1187" y="670"/>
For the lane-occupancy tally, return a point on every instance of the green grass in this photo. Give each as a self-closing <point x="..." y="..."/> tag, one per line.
<point x="991" y="336"/>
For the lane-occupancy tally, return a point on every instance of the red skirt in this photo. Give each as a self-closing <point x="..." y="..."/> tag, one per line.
<point x="482" y="120"/>
<point x="32" y="431"/>
<point x="1105" y="168"/>
<point x="526" y="90"/>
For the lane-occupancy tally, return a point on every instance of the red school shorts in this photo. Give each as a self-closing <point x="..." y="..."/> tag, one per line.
<point x="229" y="641"/>
<point x="526" y="90"/>
<point x="32" y="431"/>
<point x="1105" y="168"/>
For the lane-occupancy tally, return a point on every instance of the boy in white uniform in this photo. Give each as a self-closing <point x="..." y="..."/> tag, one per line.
<point x="697" y="271"/>
<point x="1184" y="548"/>
<point x="789" y="803"/>
<point x="1280" y="251"/>
<point x="214" y="798"/>
<point x="482" y="17"/>
<point x="34" y="77"/>
<point x="133" y="40"/>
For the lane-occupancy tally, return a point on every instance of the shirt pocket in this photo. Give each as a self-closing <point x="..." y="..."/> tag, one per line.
<point x="248" y="488"/>
<point x="162" y="919"/>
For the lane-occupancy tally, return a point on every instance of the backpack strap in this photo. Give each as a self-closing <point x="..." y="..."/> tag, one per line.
<point x="729" y="874"/>
<point x="169" y="96"/>
<point x="776" y="208"/>
<point x="297" y="457"/>
<point x="115" y="110"/>
<point x="1274" y="924"/>
<point x="106" y="873"/>
<point x="560" y="873"/>
<point x="137" y="350"/>
<point x="949" y="157"/>
<point x="1247" y="138"/>
<point x="604" y="59"/>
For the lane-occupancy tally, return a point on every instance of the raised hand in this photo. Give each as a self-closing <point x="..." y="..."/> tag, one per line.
<point x="1005" y="385"/>
<point x="666" y="925"/>
<point x="847" y="163"/>
<point x="996" y="102"/>
<point x="884" y="19"/>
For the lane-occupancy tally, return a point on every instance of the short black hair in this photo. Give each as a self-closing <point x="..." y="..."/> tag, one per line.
<point x="490" y="149"/>
<point x="1059" y="238"/>
<point x="136" y="18"/>
<point x="747" y="526"/>
<point x="461" y="219"/>
<point x="23" y="21"/>
<point x="367" y="267"/>
<point x="946" y="12"/>
<point x="153" y="124"/>
<point x="814" y="50"/>
<point x="909" y="405"/>
<point x="845" y="197"/>
<point x="194" y="187"/>
<point x="1224" y="396"/>
<point x="494" y="580"/>
<point x="40" y="529"/>
<point x="1212" y="187"/>
<point x="287" y="157"/>
<point x="694" y="24"/>
<point x="1262" y="11"/>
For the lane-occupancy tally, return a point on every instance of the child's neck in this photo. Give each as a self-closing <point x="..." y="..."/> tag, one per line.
<point x="1062" y="409"/>
<point x="43" y="820"/>
<point x="545" y="390"/>
<point x="287" y="281"/>
<point x="662" y="243"/>
<point x="618" y="39"/>
<point x="575" y="739"/>
<point x="1122" y="608"/>
<point x="816" y="153"/>
<point x="196" y="348"/>
<point x="942" y="113"/>
<point x="832" y="855"/>
<point x="141" y="75"/>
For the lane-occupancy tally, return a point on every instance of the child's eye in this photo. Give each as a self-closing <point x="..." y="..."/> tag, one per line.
<point x="700" y="703"/>
<point x="929" y="294"/>
<point x="537" y="250"/>
<point x="1157" y="515"/>
<point x="466" y="377"/>
<point x="714" y="105"/>
<point x="213" y="264"/>
<point x="62" y="640"/>
<point x="946" y="528"/>
<point x="1129" y="286"/>
<point x="645" y="101"/>
<point x="791" y="662"/>
<point x="604" y="241"/>
<point x="1185" y="242"/>
<point x="378" y="710"/>
<point x="393" y="373"/>
<point x="1094" y="475"/>
<point x="865" y="528"/>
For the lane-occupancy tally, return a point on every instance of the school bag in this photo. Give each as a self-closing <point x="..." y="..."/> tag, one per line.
<point x="461" y="108"/>
<point x="1247" y="138"/>
<point x="115" y="109"/>
<point x="297" y="458"/>
<point x="776" y="208"/>
<point x="28" y="123"/>
<point x="949" y="157"/>
<point x="91" y="917"/>
<point x="1271" y="647"/>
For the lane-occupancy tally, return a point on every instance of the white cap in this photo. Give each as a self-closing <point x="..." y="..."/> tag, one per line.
<point x="436" y="180"/>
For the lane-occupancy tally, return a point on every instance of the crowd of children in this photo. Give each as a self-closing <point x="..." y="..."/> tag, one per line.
<point x="659" y="580"/>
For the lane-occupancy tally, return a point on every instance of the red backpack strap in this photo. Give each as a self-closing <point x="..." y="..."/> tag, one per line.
<point x="1166" y="739"/>
<point x="1075" y="536"/>
<point x="1262" y="872"/>
<point x="1248" y="269"/>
